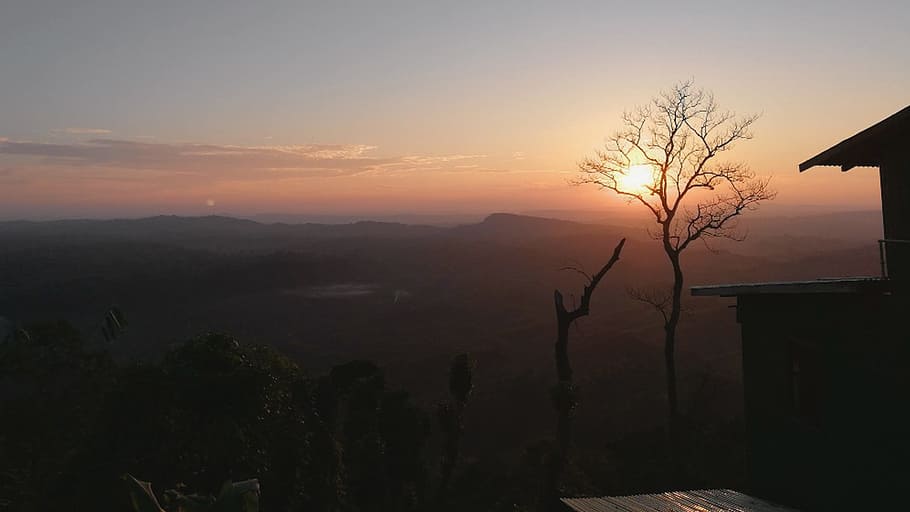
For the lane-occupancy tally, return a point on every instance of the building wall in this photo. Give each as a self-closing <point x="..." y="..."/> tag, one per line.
<point x="895" y="185"/>
<point x="825" y="389"/>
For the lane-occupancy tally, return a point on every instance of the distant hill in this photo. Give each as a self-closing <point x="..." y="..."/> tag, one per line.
<point x="440" y="220"/>
<point x="128" y="227"/>
<point x="220" y="232"/>
<point x="511" y="226"/>
<point x="794" y="237"/>
<point x="209" y="232"/>
<point x="855" y="225"/>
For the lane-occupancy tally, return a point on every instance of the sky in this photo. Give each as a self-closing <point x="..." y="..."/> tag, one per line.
<point x="129" y="108"/>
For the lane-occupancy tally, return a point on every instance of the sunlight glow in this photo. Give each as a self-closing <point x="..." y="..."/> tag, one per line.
<point x="636" y="179"/>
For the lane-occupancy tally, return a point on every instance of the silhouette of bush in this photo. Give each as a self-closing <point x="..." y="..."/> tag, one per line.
<point x="233" y="497"/>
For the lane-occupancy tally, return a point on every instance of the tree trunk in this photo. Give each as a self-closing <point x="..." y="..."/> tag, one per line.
<point x="672" y="323"/>
<point x="564" y="374"/>
<point x="563" y="368"/>
<point x="561" y="395"/>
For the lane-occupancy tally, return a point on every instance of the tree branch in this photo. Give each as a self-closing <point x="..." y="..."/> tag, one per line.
<point x="585" y="304"/>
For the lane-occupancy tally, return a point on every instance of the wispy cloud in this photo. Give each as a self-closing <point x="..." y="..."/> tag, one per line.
<point x="227" y="161"/>
<point x="83" y="131"/>
<point x="428" y="163"/>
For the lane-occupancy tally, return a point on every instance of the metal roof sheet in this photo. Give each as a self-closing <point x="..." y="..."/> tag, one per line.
<point x="832" y="285"/>
<point x="710" y="500"/>
<point x="867" y="148"/>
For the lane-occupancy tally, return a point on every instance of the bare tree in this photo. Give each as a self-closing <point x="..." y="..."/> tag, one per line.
<point x="665" y="158"/>
<point x="564" y="399"/>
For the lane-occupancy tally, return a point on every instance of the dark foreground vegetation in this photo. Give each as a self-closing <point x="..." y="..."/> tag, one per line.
<point x="290" y="397"/>
<point x="216" y="409"/>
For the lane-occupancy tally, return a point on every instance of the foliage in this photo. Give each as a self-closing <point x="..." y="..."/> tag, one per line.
<point x="51" y="392"/>
<point x="215" y="408"/>
<point x="141" y="495"/>
<point x="450" y="415"/>
<point x="378" y="438"/>
<point x="233" y="497"/>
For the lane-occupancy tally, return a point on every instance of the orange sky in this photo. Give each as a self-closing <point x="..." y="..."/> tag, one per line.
<point x="116" y="110"/>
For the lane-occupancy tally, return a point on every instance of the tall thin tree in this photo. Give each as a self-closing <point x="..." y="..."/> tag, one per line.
<point x="665" y="158"/>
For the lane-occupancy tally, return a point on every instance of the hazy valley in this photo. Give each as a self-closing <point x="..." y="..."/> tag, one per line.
<point x="409" y="297"/>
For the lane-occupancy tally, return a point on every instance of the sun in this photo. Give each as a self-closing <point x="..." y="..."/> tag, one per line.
<point x="636" y="179"/>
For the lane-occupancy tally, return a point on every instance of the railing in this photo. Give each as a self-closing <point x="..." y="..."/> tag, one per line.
<point x="883" y="252"/>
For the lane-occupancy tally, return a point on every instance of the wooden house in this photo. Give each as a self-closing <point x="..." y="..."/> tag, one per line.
<point x="826" y="363"/>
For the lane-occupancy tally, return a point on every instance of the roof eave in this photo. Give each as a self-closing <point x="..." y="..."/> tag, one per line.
<point x="854" y="151"/>
<point x="847" y="285"/>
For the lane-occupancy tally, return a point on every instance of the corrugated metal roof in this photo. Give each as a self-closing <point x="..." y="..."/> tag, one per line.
<point x="712" y="500"/>
<point x="867" y="148"/>
<point x="828" y="286"/>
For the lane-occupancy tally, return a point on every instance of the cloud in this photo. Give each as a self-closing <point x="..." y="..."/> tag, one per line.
<point x="428" y="163"/>
<point x="84" y="131"/>
<point x="518" y="155"/>
<point x="219" y="161"/>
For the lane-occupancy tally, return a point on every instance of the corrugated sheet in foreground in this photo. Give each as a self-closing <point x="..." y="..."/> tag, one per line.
<point x="713" y="500"/>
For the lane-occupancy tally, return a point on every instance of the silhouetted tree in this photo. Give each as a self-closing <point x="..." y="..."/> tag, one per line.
<point x="232" y="497"/>
<point x="52" y="385"/>
<point x="665" y="158"/>
<point x="563" y="394"/>
<point x="213" y="409"/>
<point x="380" y="436"/>
<point x="451" y="416"/>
